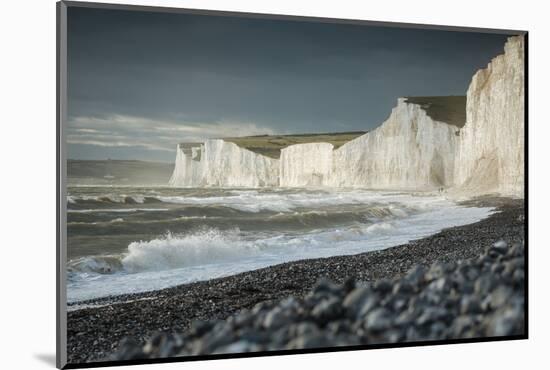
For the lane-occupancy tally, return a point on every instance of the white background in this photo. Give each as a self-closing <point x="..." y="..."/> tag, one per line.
<point x="27" y="213"/>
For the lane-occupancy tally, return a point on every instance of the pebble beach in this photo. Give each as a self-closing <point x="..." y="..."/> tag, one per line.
<point x="463" y="282"/>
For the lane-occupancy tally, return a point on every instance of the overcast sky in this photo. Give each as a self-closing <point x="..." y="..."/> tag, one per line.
<point x="139" y="82"/>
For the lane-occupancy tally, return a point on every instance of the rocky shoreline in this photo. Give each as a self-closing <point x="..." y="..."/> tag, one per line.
<point x="94" y="333"/>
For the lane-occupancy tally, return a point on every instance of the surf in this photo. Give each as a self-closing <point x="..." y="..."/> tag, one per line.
<point x="342" y="223"/>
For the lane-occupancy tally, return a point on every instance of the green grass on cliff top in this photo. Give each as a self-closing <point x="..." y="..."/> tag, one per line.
<point x="448" y="109"/>
<point x="271" y="145"/>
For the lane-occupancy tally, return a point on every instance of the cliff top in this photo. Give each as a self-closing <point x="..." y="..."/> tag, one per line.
<point x="448" y="109"/>
<point x="271" y="145"/>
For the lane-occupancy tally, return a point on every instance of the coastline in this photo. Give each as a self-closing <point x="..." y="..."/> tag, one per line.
<point x="94" y="333"/>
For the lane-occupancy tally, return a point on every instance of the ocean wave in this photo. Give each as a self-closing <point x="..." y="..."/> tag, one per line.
<point x="255" y="202"/>
<point x="107" y="199"/>
<point x="204" y="247"/>
<point x="107" y="264"/>
<point x="380" y="228"/>
<point x="211" y="246"/>
<point x="145" y="222"/>
<point x="110" y="222"/>
<point x="252" y="201"/>
<point x="244" y="202"/>
<point x="212" y="238"/>
<point x="117" y="210"/>
<point x="328" y="218"/>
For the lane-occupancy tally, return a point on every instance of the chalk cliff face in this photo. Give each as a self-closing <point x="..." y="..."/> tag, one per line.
<point x="304" y="165"/>
<point x="408" y="151"/>
<point x="228" y="165"/>
<point x="188" y="170"/>
<point x="222" y="164"/>
<point x="411" y="150"/>
<point x="490" y="152"/>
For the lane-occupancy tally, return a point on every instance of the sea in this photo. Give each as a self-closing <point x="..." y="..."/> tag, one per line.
<point x="129" y="239"/>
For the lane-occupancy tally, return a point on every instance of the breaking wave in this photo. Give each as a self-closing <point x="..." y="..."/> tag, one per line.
<point x="201" y="236"/>
<point x="118" y="210"/>
<point x="114" y="221"/>
<point x="211" y="246"/>
<point x="205" y="247"/>
<point x="110" y="199"/>
<point x="107" y="264"/>
<point x="254" y="201"/>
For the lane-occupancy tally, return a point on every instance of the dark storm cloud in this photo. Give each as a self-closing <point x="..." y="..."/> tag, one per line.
<point x="141" y="82"/>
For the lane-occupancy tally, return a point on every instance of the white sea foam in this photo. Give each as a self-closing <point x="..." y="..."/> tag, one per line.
<point x="382" y="227"/>
<point x="106" y="264"/>
<point x="114" y="221"/>
<point x="113" y="198"/>
<point x="252" y="201"/>
<point x="273" y="201"/>
<point x="201" y="248"/>
<point x="118" y="210"/>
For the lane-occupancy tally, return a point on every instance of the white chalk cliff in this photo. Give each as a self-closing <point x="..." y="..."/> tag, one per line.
<point x="304" y="165"/>
<point x="489" y="156"/>
<point x="188" y="170"/>
<point x="228" y="165"/>
<point x="223" y="164"/>
<point x="411" y="150"/>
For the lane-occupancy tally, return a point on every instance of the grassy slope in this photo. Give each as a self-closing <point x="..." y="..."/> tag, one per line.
<point x="271" y="145"/>
<point x="449" y="109"/>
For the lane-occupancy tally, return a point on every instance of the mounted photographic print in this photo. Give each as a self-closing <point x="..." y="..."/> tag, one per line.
<point x="236" y="184"/>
